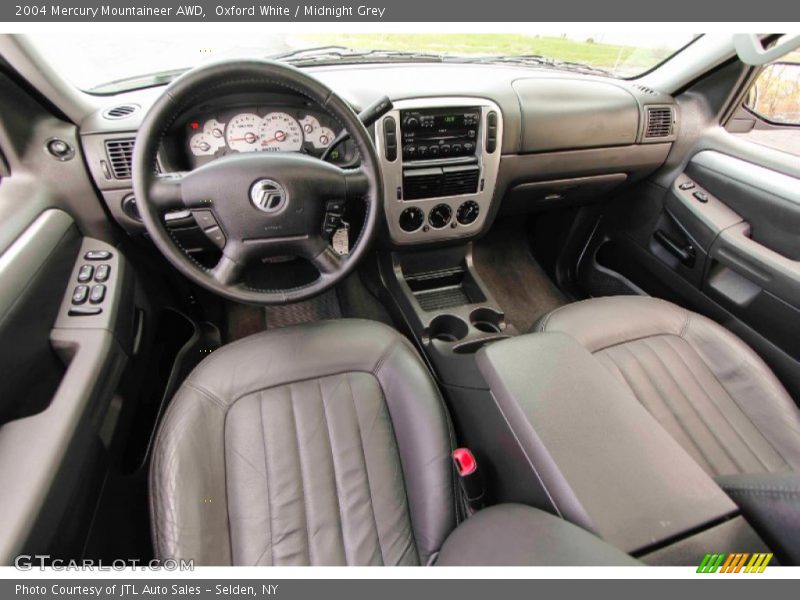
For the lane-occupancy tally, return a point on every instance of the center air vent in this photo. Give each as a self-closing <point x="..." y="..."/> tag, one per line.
<point x="120" y="157"/>
<point x="437" y="182"/>
<point x="460" y="180"/>
<point x="660" y="120"/>
<point x="122" y="111"/>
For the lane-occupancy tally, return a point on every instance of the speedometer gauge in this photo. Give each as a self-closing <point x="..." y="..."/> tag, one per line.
<point x="280" y="132"/>
<point x="242" y="133"/>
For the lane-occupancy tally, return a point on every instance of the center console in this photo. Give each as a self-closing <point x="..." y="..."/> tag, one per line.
<point x="440" y="159"/>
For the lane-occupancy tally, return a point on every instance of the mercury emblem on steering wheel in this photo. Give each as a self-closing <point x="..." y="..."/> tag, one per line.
<point x="268" y="195"/>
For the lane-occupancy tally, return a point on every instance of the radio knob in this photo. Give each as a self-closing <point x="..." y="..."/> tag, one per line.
<point x="411" y="123"/>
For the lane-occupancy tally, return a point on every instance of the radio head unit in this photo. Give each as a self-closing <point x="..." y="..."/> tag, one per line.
<point x="439" y="132"/>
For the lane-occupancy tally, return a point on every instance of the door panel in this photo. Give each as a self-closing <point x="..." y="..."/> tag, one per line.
<point x="58" y="377"/>
<point x="723" y="239"/>
<point x="769" y="201"/>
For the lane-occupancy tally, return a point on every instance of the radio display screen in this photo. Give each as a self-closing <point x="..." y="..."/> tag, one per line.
<point x="439" y="132"/>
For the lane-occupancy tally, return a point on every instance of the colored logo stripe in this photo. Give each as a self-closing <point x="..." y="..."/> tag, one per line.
<point x="734" y="562"/>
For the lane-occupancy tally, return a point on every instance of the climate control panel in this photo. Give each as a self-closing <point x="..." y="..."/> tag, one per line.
<point x="440" y="158"/>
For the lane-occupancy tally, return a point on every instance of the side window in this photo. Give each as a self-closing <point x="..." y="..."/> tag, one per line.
<point x="775" y="95"/>
<point x="770" y="112"/>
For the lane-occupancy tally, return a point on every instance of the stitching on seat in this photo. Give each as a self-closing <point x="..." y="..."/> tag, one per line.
<point x="690" y="404"/>
<point x="209" y="395"/>
<point x="719" y="409"/>
<point x="335" y="472"/>
<point x="739" y="406"/>
<point x="302" y="480"/>
<point x="663" y="397"/>
<point x="271" y="545"/>
<point x="366" y="467"/>
<point x="685" y="327"/>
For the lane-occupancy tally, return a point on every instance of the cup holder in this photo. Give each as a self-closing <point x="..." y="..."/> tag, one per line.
<point x="487" y="320"/>
<point x="448" y="328"/>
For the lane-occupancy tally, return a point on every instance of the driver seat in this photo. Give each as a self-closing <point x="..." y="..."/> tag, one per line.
<point x="329" y="444"/>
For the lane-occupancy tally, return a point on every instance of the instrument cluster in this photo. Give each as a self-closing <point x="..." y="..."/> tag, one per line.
<point x="264" y="129"/>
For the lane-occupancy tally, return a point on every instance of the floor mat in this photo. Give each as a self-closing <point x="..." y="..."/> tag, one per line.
<point x="319" y="308"/>
<point x="521" y="287"/>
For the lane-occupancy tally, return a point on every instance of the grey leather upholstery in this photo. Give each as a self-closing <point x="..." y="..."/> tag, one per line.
<point x="325" y="443"/>
<point x="707" y="388"/>
<point x="518" y="535"/>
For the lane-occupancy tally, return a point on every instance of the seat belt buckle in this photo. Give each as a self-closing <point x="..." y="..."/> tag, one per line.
<point x="469" y="478"/>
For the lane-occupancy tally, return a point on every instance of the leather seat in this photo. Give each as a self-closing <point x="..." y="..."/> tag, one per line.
<point x="318" y="444"/>
<point x="329" y="444"/>
<point x="705" y="386"/>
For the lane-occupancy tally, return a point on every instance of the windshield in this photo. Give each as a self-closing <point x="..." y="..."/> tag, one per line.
<point x="120" y="62"/>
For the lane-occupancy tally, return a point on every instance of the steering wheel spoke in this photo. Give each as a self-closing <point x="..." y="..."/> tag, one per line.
<point x="166" y="192"/>
<point x="327" y="261"/>
<point x="229" y="270"/>
<point x="357" y="183"/>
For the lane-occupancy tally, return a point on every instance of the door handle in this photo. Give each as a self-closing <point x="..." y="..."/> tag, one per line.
<point x="685" y="254"/>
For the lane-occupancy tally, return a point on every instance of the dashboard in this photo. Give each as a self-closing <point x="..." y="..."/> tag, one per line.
<point x="462" y="143"/>
<point x="207" y="134"/>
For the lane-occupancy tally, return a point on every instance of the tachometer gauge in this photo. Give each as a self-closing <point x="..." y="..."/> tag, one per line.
<point x="280" y="132"/>
<point x="242" y="133"/>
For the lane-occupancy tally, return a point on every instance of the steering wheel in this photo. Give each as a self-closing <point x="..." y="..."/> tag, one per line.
<point x="265" y="204"/>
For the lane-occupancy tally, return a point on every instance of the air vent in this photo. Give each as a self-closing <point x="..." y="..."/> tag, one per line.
<point x="421" y="183"/>
<point x="659" y="122"/>
<point x="437" y="182"/>
<point x="460" y="180"/>
<point x="123" y="111"/>
<point x="120" y="157"/>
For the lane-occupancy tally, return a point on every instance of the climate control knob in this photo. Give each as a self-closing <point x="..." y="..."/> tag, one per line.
<point x="468" y="212"/>
<point x="411" y="219"/>
<point x="440" y="216"/>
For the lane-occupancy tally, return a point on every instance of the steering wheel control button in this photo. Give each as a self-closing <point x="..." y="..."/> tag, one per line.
<point x="335" y="206"/>
<point x="468" y="212"/>
<point x="333" y="221"/>
<point x="440" y="216"/>
<point x="686" y="185"/>
<point x="85" y="273"/>
<point x="97" y="255"/>
<point x="268" y="196"/>
<point x="98" y="294"/>
<point x="411" y="219"/>
<point x="205" y="219"/>
<point x="216" y="236"/>
<point x="80" y="294"/>
<point x="701" y="197"/>
<point x="102" y="273"/>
